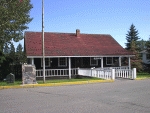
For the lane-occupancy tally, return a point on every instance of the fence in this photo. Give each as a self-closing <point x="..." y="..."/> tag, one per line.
<point x="109" y="73"/>
<point x="56" y="72"/>
<point x="99" y="73"/>
<point x="126" y="73"/>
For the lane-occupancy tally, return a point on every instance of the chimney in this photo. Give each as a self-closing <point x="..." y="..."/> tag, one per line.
<point x="77" y="32"/>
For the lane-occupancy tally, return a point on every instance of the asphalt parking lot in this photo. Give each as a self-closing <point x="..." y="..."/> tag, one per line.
<point x="121" y="96"/>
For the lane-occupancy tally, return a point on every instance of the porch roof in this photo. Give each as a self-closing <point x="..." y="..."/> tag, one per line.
<point x="73" y="44"/>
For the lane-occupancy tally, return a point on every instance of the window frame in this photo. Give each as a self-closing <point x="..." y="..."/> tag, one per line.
<point x="107" y="63"/>
<point x="49" y="62"/>
<point x="59" y="65"/>
<point x="92" y="58"/>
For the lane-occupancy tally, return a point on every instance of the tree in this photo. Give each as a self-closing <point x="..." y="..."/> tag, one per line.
<point x="20" y="55"/>
<point x="6" y="49"/>
<point x="148" y="46"/>
<point x="141" y="44"/>
<point x="13" y="20"/>
<point x="136" y="61"/>
<point x="131" y="36"/>
<point x="19" y="48"/>
<point x="12" y="54"/>
<point x="12" y="49"/>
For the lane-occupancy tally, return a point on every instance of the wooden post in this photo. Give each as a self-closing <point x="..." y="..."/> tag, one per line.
<point x="69" y="68"/>
<point x="32" y="61"/>
<point x="119" y="61"/>
<point x="129" y="63"/>
<point x="102" y="62"/>
<point x="134" y="74"/>
<point x="43" y="41"/>
<point x="113" y="74"/>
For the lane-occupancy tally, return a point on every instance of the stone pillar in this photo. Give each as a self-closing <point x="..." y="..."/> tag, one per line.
<point x="69" y="68"/>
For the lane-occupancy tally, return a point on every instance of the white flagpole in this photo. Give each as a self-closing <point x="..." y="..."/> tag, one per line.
<point x="43" y="41"/>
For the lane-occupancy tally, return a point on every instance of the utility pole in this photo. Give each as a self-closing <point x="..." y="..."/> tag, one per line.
<point x="43" y="41"/>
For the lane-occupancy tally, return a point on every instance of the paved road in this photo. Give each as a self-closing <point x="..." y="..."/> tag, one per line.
<point x="122" y="96"/>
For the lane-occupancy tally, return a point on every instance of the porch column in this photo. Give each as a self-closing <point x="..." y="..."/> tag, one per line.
<point x="129" y="63"/>
<point x="101" y="62"/>
<point x="69" y="68"/>
<point x="119" y="61"/>
<point x="32" y="61"/>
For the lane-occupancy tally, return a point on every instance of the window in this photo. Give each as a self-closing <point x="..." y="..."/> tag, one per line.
<point x="47" y="62"/>
<point x="109" y="60"/>
<point x="147" y="56"/>
<point x="62" y="61"/>
<point x="93" y="62"/>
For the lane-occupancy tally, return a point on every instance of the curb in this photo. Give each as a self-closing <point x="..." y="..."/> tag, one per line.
<point x="141" y="78"/>
<point x="55" y="84"/>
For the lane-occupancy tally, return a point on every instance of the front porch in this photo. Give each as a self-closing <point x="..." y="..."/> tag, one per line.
<point x="69" y="66"/>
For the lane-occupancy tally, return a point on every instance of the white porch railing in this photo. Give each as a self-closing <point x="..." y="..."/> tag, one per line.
<point x="126" y="73"/>
<point x="105" y="73"/>
<point x="55" y="72"/>
<point x="101" y="73"/>
<point x="108" y="73"/>
<point x="122" y="67"/>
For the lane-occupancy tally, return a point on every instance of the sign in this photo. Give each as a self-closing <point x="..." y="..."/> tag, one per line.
<point x="97" y="58"/>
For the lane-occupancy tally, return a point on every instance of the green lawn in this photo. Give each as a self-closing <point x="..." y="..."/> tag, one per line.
<point x="19" y="82"/>
<point x="143" y="75"/>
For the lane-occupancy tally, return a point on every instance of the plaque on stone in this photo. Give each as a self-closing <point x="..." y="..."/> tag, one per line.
<point x="28" y="74"/>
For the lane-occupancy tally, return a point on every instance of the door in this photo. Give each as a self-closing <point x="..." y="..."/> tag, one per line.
<point x="77" y="62"/>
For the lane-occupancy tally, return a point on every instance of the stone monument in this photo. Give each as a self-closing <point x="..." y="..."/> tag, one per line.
<point x="10" y="78"/>
<point x="28" y="74"/>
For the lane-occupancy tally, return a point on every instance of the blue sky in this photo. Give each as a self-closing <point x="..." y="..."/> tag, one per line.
<point x="112" y="17"/>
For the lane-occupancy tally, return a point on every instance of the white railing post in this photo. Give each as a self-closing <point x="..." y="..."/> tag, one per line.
<point x="69" y="68"/>
<point x="134" y="74"/>
<point x="113" y="74"/>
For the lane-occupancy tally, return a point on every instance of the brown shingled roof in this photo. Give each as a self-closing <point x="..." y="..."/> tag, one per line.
<point x="68" y="44"/>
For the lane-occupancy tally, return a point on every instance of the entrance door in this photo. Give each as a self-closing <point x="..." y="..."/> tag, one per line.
<point x="77" y="62"/>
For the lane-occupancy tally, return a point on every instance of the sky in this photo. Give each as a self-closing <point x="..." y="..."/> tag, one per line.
<point x="112" y="17"/>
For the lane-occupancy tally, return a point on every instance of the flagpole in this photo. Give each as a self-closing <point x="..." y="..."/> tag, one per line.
<point x="43" y="41"/>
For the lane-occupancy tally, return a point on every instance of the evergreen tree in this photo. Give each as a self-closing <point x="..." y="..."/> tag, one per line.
<point x="19" y="48"/>
<point x="136" y="61"/>
<point x="20" y="55"/>
<point x="14" y="17"/>
<point x="131" y="36"/>
<point x="12" y="53"/>
<point x="141" y="44"/>
<point x="6" y="49"/>
<point x="148" y="51"/>
<point x="148" y="46"/>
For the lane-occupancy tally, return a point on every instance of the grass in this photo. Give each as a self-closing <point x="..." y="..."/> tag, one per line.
<point x="143" y="75"/>
<point x="4" y="83"/>
<point x="19" y="82"/>
<point x="67" y="80"/>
